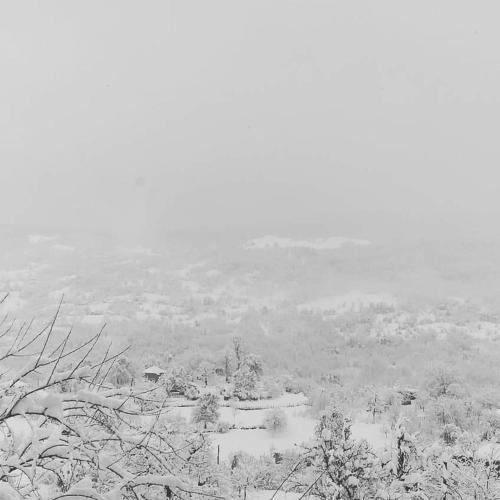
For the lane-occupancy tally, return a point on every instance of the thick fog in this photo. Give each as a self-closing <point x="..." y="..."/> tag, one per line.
<point x="134" y="116"/>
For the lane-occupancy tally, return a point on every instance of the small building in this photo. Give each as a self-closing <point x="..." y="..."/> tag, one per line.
<point x="408" y="395"/>
<point x="153" y="373"/>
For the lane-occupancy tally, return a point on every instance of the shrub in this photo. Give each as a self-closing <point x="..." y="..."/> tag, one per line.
<point x="192" y="392"/>
<point x="443" y="382"/>
<point x="275" y="420"/>
<point x="223" y="427"/>
<point x="273" y="388"/>
<point x="450" y="434"/>
<point x="295" y="385"/>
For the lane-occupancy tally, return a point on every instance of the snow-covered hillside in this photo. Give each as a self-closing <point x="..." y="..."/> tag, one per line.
<point x="352" y="301"/>
<point x="331" y="243"/>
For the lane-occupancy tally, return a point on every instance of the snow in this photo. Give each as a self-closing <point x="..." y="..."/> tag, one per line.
<point x="213" y="273"/>
<point x="268" y="494"/>
<point x="156" y="297"/>
<point x="98" y="307"/>
<point x="247" y="418"/>
<point x="40" y="238"/>
<point x="260" y="441"/>
<point x="489" y="451"/>
<point x="96" y="399"/>
<point x="300" y="426"/>
<point x="299" y="430"/>
<point x="21" y="433"/>
<point x="372" y="433"/>
<point x="185" y="271"/>
<point x="79" y="494"/>
<point x="63" y="248"/>
<point x="168" y="480"/>
<point x="7" y="492"/>
<point x="286" y="399"/>
<point x="352" y="301"/>
<point x="82" y="372"/>
<point x="41" y="402"/>
<point x="93" y="319"/>
<point x="155" y="370"/>
<point x="142" y="251"/>
<point x="331" y="243"/>
<point x="13" y="302"/>
<point x="57" y="294"/>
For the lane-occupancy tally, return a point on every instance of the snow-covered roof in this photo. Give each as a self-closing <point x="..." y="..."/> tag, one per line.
<point x="156" y="370"/>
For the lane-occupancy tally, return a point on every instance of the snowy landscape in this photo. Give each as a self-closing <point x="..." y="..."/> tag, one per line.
<point x="249" y="250"/>
<point x="248" y="362"/>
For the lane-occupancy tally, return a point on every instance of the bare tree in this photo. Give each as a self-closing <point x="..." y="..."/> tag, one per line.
<point x="91" y="441"/>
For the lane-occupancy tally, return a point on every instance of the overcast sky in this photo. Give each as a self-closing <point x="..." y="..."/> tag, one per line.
<point x="212" y="113"/>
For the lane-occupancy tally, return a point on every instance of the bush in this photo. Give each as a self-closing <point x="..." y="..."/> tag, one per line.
<point x="444" y="382"/>
<point x="450" y="434"/>
<point x="490" y="425"/>
<point x="272" y="389"/>
<point x="192" y="392"/>
<point x="223" y="427"/>
<point x="295" y="385"/>
<point x="275" y="420"/>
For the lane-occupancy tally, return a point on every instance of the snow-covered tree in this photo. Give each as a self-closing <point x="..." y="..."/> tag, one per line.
<point x="254" y="364"/>
<point x="207" y="410"/>
<point x="343" y="468"/>
<point x="401" y="473"/>
<point x="239" y="351"/>
<point x="89" y="442"/>
<point x="176" y="379"/>
<point x="122" y="373"/>
<point x="245" y="381"/>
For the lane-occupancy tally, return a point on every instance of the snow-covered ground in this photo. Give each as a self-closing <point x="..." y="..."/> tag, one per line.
<point x="372" y="433"/>
<point x="63" y="248"/>
<point x="489" y="451"/>
<point x="299" y="429"/>
<point x="268" y="494"/>
<point x="331" y="243"/>
<point x="13" y="302"/>
<point x="40" y="238"/>
<point x="20" y="430"/>
<point x="352" y="301"/>
<point x="260" y="441"/>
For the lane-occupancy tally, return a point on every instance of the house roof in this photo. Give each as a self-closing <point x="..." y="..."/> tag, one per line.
<point x="156" y="370"/>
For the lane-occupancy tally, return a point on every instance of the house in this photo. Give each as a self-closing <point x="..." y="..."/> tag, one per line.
<point x="407" y="395"/>
<point x="153" y="373"/>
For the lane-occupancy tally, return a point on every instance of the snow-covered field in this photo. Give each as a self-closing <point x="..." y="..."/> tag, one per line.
<point x="332" y="243"/>
<point x="299" y="429"/>
<point x="260" y="441"/>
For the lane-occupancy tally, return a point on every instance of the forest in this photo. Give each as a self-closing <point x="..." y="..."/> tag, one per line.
<point x="80" y="419"/>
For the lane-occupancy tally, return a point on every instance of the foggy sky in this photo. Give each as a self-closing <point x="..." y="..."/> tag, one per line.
<point x="177" y="114"/>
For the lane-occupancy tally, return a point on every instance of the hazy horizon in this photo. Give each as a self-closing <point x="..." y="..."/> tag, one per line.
<point x="352" y="118"/>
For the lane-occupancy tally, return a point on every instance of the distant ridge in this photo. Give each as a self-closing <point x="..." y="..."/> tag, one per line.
<point x="331" y="243"/>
